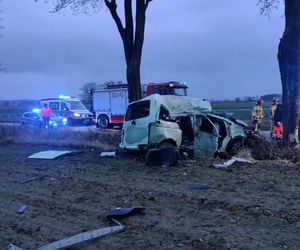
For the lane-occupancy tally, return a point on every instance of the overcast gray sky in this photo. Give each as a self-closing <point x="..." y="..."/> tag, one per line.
<point x="221" y="48"/>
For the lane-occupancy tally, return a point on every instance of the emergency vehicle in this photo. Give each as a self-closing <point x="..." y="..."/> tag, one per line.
<point x="110" y="100"/>
<point x="71" y="108"/>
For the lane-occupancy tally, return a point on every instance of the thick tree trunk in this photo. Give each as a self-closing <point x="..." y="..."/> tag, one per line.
<point x="133" y="59"/>
<point x="134" y="81"/>
<point x="289" y="65"/>
<point x="132" y="41"/>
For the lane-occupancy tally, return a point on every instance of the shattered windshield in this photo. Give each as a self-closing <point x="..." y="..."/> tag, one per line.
<point x="138" y="110"/>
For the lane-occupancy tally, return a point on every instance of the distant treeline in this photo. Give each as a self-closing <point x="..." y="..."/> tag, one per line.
<point x="19" y="104"/>
<point x="266" y="98"/>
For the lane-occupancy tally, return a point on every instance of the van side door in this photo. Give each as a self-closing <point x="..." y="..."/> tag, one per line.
<point x="206" y="137"/>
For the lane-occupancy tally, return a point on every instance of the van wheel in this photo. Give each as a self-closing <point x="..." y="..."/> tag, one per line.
<point x="235" y="145"/>
<point x="103" y="122"/>
<point x="171" y="155"/>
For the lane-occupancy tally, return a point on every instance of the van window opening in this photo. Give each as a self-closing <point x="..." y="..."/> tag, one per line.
<point x="54" y="105"/>
<point x="138" y="110"/>
<point x="164" y="114"/>
<point x="206" y="126"/>
<point x="185" y="125"/>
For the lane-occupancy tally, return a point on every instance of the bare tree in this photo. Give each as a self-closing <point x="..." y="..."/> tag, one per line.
<point x="289" y="66"/>
<point x="132" y="35"/>
<point x="86" y="94"/>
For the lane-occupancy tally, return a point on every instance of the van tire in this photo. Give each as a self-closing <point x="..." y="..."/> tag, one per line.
<point x="103" y="122"/>
<point x="235" y="145"/>
<point x="172" y="154"/>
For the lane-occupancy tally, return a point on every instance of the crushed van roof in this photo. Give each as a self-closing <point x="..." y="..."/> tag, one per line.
<point x="181" y="104"/>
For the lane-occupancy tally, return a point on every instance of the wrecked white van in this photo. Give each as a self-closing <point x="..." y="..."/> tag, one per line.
<point x="181" y="122"/>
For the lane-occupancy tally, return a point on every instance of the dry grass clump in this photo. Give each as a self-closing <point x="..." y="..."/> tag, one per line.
<point x="61" y="137"/>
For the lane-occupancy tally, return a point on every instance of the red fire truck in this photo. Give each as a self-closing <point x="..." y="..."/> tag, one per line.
<point x="110" y="100"/>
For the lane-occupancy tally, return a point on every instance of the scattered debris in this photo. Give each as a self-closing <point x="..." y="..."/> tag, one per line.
<point x="49" y="154"/>
<point x="121" y="212"/>
<point x="78" y="238"/>
<point x="111" y="154"/>
<point x="13" y="247"/>
<point x="198" y="186"/>
<point x="226" y="164"/>
<point x="30" y="179"/>
<point x="21" y="209"/>
<point x="153" y="223"/>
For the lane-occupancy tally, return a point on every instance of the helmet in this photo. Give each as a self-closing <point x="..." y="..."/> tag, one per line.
<point x="260" y="101"/>
<point x="275" y="100"/>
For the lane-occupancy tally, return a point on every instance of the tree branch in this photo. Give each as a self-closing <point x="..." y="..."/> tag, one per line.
<point x="128" y="25"/>
<point x="112" y="6"/>
<point x="266" y="6"/>
<point x="139" y="28"/>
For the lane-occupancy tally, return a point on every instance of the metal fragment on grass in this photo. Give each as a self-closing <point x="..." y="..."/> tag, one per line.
<point x="21" y="209"/>
<point x="226" y="164"/>
<point x="30" y="179"/>
<point x="78" y="238"/>
<point x="49" y="154"/>
<point x="111" y="154"/>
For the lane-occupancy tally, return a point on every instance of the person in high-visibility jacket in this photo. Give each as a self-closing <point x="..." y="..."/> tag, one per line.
<point x="257" y="115"/>
<point x="277" y="131"/>
<point x="272" y="114"/>
<point x="46" y="113"/>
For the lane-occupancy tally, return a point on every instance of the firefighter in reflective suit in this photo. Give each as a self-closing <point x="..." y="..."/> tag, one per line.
<point x="257" y="115"/>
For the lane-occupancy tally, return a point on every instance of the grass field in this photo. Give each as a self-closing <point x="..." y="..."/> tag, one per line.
<point x="242" y="111"/>
<point x="238" y="105"/>
<point x="249" y="207"/>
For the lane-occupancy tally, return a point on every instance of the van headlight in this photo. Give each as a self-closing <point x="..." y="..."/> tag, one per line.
<point x="76" y="115"/>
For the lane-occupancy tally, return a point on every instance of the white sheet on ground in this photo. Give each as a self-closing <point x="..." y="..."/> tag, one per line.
<point x="49" y="154"/>
<point x="112" y="154"/>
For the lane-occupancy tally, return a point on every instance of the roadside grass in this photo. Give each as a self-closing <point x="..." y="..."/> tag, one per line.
<point x="238" y="105"/>
<point x="59" y="137"/>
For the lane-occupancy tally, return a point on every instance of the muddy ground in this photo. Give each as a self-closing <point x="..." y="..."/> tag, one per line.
<point x="250" y="207"/>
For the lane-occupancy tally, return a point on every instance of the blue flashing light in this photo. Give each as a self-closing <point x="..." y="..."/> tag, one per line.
<point x="64" y="97"/>
<point x="36" y="110"/>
